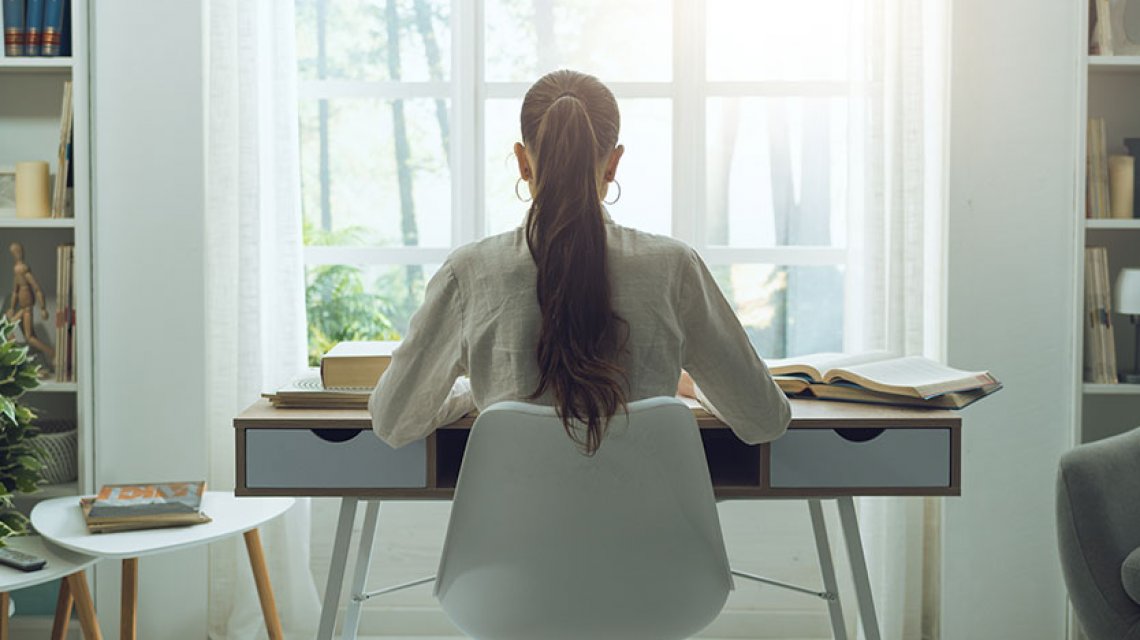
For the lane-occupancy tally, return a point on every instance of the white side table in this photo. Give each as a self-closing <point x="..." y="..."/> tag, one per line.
<point x="61" y="563"/>
<point x="61" y="521"/>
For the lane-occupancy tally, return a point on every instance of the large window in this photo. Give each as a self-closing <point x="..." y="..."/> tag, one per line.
<point x="742" y="122"/>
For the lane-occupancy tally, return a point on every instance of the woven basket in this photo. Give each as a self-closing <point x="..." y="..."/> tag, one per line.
<point x="59" y="441"/>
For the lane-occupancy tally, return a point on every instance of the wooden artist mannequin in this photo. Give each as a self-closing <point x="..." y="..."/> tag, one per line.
<point x="26" y="293"/>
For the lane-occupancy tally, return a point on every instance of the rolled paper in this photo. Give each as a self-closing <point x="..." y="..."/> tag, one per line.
<point x="1120" y="181"/>
<point x="32" y="190"/>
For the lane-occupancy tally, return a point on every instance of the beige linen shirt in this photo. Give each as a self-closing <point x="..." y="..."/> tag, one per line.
<point x="473" y="341"/>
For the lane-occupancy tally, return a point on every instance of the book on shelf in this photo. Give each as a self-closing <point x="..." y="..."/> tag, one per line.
<point x="127" y="507"/>
<point x="54" y="12"/>
<point x="14" y="28"/>
<point x="882" y="378"/>
<point x="33" y="27"/>
<point x="307" y="392"/>
<point x="1096" y="179"/>
<point x="65" y="314"/>
<point x="356" y="365"/>
<point x="60" y="207"/>
<point x="1100" y="339"/>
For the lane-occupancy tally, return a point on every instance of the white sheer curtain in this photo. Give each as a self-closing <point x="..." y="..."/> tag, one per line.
<point x="898" y="256"/>
<point x="255" y="312"/>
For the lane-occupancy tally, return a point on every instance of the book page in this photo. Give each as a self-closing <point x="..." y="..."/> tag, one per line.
<point x="363" y="348"/>
<point x="817" y="365"/>
<point x="920" y="376"/>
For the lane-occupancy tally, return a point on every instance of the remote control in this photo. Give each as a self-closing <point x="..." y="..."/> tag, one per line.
<point x="20" y="560"/>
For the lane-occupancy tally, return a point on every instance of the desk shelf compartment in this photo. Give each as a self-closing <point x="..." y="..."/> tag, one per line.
<point x="318" y="461"/>
<point x="892" y="460"/>
<point x="449" y="447"/>
<point x="736" y="464"/>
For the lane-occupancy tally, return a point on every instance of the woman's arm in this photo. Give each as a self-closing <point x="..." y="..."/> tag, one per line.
<point x="730" y="380"/>
<point x="421" y="389"/>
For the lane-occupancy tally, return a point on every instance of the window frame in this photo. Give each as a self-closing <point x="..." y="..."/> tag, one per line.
<point x="688" y="92"/>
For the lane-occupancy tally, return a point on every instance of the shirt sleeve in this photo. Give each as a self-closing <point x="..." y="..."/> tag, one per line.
<point x="731" y="381"/>
<point x="422" y="390"/>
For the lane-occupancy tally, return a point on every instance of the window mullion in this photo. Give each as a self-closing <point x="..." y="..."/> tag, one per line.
<point x="688" y="120"/>
<point x="464" y="27"/>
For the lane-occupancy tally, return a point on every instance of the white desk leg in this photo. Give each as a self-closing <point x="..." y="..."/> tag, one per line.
<point x="360" y="576"/>
<point x="858" y="567"/>
<point x="336" y="567"/>
<point x="827" y="569"/>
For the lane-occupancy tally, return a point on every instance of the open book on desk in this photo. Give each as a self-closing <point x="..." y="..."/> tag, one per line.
<point x="881" y="378"/>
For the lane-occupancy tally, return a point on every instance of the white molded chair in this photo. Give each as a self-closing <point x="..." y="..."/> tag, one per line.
<point x="545" y="543"/>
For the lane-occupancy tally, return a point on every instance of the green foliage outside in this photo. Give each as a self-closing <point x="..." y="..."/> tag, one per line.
<point x="338" y="305"/>
<point x="21" y="461"/>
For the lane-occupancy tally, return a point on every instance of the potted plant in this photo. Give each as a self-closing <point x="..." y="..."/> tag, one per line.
<point x="20" y="459"/>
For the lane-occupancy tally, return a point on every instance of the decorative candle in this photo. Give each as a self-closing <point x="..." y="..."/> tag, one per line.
<point x="32" y="189"/>
<point x="1120" y="181"/>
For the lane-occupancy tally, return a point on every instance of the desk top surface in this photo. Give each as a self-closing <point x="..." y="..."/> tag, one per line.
<point x="806" y="414"/>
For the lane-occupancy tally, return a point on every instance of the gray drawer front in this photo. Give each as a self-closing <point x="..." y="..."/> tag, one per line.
<point x="812" y="458"/>
<point x="297" y="458"/>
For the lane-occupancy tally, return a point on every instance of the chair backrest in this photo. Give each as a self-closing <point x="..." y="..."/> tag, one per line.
<point x="1098" y="525"/>
<point x="545" y="543"/>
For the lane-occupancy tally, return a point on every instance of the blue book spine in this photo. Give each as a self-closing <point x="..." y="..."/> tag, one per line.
<point x="13" y="27"/>
<point x="33" y="27"/>
<point x="53" y="27"/>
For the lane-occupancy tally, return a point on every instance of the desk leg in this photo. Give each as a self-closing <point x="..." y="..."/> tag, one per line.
<point x="336" y="567"/>
<point x="264" y="588"/>
<point x="129" y="618"/>
<point x="5" y="603"/>
<point x="360" y="576"/>
<point x="62" y="612"/>
<point x="827" y="569"/>
<point x="858" y="568"/>
<point x="77" y="584"/>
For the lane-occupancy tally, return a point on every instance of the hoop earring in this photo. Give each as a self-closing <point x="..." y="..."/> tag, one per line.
<point x="618" y="195"/>
<point x="517" y="192"/>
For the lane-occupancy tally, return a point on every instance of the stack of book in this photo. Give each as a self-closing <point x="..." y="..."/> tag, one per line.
<point x="128" y="507"/>
<point x="348" y="374"/>
<point x="1096" y="162"/>
<point x="881" y="378"/>
<point x="65" y="314"/>
<point x="1100" y="342"/>
<point x="62" y="196"/>
<point x="307" y="392"/>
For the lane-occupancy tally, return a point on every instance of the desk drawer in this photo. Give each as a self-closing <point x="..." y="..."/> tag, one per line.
<point x="887" y="458"/>
<point x="300" y="458"/>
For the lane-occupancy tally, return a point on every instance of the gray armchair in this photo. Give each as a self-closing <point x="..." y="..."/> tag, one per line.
<point x="1098" y="529"/>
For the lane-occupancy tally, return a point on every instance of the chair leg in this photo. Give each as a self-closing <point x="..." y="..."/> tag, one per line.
<point x="827" y="569"/>
<point x="77" y="584"/>
<point x="858" y="568"/>
<point x="336" y="567"/>
<point x="360" y="575"/>
<point x="62" y="611"/>
<point x="264" y="588"/>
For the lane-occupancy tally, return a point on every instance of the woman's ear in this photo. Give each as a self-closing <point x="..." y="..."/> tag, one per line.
<point x="612" y="164"/>
<point x="524" y="162"/>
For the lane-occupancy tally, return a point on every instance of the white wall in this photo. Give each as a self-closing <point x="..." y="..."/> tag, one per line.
<point x="148" y="182"/>
<point x="1010" y="305"/>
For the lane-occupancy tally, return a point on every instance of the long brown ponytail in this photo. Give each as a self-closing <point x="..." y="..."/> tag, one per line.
<point x="570" y="122"/>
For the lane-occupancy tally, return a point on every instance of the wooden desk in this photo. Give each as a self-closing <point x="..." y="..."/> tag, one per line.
<point x="832" y="450"/>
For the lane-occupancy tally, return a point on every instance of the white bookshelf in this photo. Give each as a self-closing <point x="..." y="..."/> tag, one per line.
<point x="32" y="90"/>
<point x="1109" y="89"/>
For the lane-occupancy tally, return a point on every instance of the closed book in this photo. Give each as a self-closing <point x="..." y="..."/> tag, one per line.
<point x="159" y="499"/>
<point x="53" y="27"/>
<point x="33" y="27"/>
<point x="356" y="365"/>
<point x="307" y="392"/>
<point x="13" y="28"/>
<point x="112" y="525"/>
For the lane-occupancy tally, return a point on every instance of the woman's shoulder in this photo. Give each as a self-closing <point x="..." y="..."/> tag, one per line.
<point x="497" y="249"/>
<point x="638" y="244"/>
